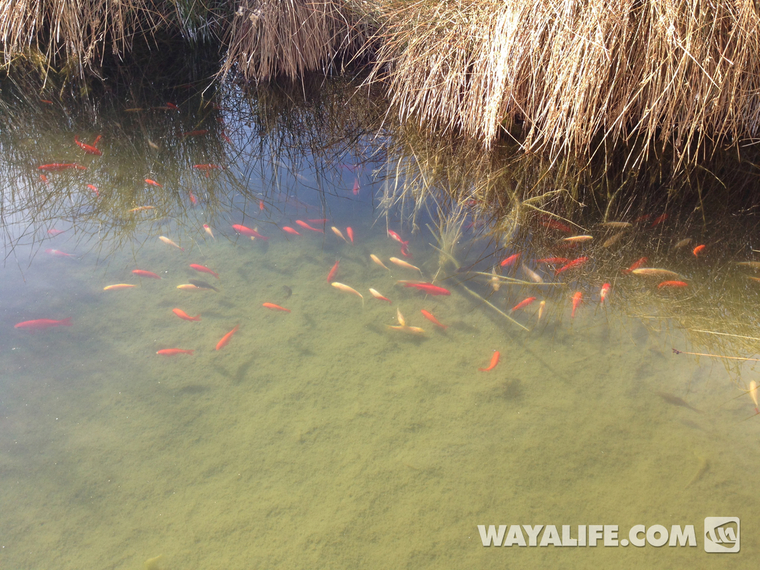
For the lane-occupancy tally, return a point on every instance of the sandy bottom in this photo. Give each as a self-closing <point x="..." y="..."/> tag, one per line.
<point x="322" y="439"/>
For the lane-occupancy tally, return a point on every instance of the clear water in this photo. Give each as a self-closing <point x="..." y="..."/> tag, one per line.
<point x="322" y="438"/>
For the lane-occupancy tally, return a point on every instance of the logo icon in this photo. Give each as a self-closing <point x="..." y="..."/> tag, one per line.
<point x="722" y="534"/>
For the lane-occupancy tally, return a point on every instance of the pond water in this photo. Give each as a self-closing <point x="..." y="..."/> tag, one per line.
<point x="320" y="436"/>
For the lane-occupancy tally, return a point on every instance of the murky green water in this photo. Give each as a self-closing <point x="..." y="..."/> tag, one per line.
<point x="322" y="437"/>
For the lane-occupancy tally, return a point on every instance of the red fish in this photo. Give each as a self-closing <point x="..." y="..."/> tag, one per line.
<point x="46" y="101"/>
<point x="555" y="225"/>
<point x="183" y="315"/>
<point x="275" y="307"/>
<point x="350" y="233"/>
<point x="55" y="166"/>
<point x="510" y="260"/>
<point x="333" y="271"/>
<point x="432" y="319"/>
<point x="247" y="231"/>
<point x="89" y="149"/>
<point x="261" y="205"/>
<point x="41" y="324"/>
<point x="174" y="351"/>
<point x="172" y="106"/>
<point x="674" y="284"/>
<point x="698" y="250"/>
<point x="226" y="338"/>
<point x="573" y="264"/>
<point x="577" y="298"/>
<point x="659" y="220"/>
<point x="44" y="179"/>
<point x="153" y="183"/>
<point x="94" y="189"/>
<point x="143" y="273"/>
<point x="494" y="362"/>
<point x="429" y="288"/>
<point x="97" y="140"/>
<point x="605" y="290"/>
<point x="290" y="230"/>
<point x="405" y="251"/>
<point x="308" y="227"/>
<point x="397" y="237"/>
<point x="522" y="304"/>
<point x="356" y="187"/>
<point x="193" y="199"/>
<point x="635" y="265"/>
<point x="203" y="269"/>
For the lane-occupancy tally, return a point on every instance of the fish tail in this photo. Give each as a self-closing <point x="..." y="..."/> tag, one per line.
<point x="66" y="322"/>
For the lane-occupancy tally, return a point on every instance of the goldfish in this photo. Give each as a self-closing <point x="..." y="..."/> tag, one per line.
<point x="397" y="237"/>
<point x="356" y="187"/>
<point x="143" y="273"/>
<point x="56" y="166"/>
<point x="654" y="272"/>
<point x="202" y="284"/>
<point x="338" y="233"/>
<point x="429" y="316"/>
<point x="140" y="209"/>
<point x="603" y="292"/>
<point x="612" y="240"/>
<point x="541" y="307"/>
<point x="46" y="101"/>
<point x="203" y="269"/>
<point x="333" y="271"/>
<point x="89" y="149"/>
<point x="193" y="199"/>
<point x="189" y="287"/>
<point x="173" y="351"/>
<point x="522" y="304"/>
<point x="494" y="280"/>
<point x="380" y="297"/>
<point x="44" y="179"/>
<point x="167" y="241"/>
<point x="494" y="362"/>
<point x="247" y="231"/>
<point x="275" y="307"/>
<point x="41" y="324"/>
<point x="183" y="315"/>
<point x="508" y="262"/>
<point x="555" y="225"/>
<point x="118" y="286"/>
<point x="226" y="338"/>
<point x="290" y="230"/>
<point x="577" y="298"/>
<point x="261" y="206"/>
<point x="675" y="284"/>
<point x="306" y="226"/>
<point x="617" y="225"/>
<point x="635" y="265"/>
<point x="94" y="189"/>
<point x="577" y="239"/>
<point x="682" y="243"/>
<point x="376" y="259"/>
<point x="59" y="253"/>
<point x="402" y="263"/>
<point x="532" y="275"/>
<point x="171" y="106"/>
<point x="658" y="220"/>
<point x="697" y="250"/>
<point x="153" y="183"/>
<point x="403" y="327"/>
<point x="752" y="392"/>
<point x="571" y="265"/>
<point x="347" y="289"/>
<point x="750" y="264"/>
<point x="428" y="288"/>
<point x="350" y="234"/>
<point x="208" y="230"/>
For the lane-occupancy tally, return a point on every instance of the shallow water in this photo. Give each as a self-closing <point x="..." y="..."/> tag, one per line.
<point x="323" y="438"/>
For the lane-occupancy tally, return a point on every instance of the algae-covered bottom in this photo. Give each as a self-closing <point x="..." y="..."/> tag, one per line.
<point x="324" y="438"/>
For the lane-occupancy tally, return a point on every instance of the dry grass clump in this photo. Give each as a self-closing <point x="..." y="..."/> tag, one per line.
<point x="290" y="37"/>
<point x="572" y="74"/>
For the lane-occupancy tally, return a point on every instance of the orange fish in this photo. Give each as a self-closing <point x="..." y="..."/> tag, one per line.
<point x="143" y="273"/>
<point x="203" y="269"/>
<point x="674" y="284"/>
<point x="494" y="362"/>
<point x="306" y="226"/>
<point x="275" y="307"/>
<point x="89" y="149"/>
<point x="247" y="231"/>
<point x="698" y="250"/>
<point x="338" y="233"/>
<point x="402" y="263"/>
<point x="605" y="290"/>
<point x="508" y="262"/>
<point x="522" y="304"/>
<point x="183" y="315"/>
<point x="167" y="241"/>
<point x="56" y="166"/>
<point x="577" y="298"/>
<point x="118" y="286"/>
<point x="377" y="295"/>
<point x="190" y="287"/>
<point x="44" y="179"/>
<point x="350" y="233"/>
<point x="333" y="271"/>
<point x="173" y="351"/>
<point x="94" y="189"/>
<point x="577" y="239"/>
<point x="541" y="307"/>
<point x="347" y="289"/>
<point x="153" y="183"/>
<point x="208" y="230"/>
<point x="288" y="229"/>
<point x="376" y="259"/>
<point x="41" y="324"/>
<point x="635" y="265"/>
<point x="432" y="319"/>
<point x="193" y="199"/>
<point x="261" y="206"/>
<point x="571" y="265"/>
<point x="226" y="338"/>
